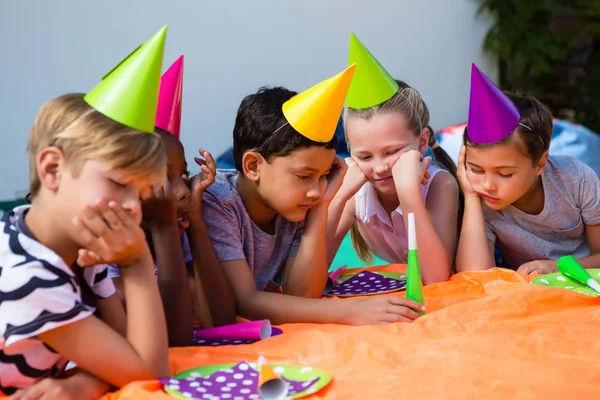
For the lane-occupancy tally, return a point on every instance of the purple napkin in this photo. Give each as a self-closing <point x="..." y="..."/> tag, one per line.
<point x="367" y="282"/>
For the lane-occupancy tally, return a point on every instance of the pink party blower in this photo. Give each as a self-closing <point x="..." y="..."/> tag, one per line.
<point x="252" y="330"/>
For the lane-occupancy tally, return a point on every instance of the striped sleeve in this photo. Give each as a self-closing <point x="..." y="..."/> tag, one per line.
<point x="100" y="280"/>
<point x="36" y="297"/>
<point x="113" y="271"/>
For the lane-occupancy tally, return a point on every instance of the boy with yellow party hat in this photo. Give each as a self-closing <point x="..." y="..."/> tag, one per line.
<point x="92" y="159"/>
<point x="267" y="218"/>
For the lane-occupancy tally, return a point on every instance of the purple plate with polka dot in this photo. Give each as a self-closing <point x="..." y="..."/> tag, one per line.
<point x="367" y="283"/>
<point x="240" y="381"/>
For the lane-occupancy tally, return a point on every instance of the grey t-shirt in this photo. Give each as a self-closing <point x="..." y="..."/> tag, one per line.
<point x="236" y="237"/>
<point x="571" y="201"/>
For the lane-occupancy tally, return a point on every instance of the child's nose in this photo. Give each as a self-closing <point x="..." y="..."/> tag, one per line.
<point x="181" y="190"/>
<point x="133" y="207"/>
<point x="489" y="185"/>
<point x="381" y="167"/>
<point x="316" y="189"/>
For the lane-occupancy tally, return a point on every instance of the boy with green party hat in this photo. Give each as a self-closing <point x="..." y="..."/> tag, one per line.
<point x="89" y="169"/>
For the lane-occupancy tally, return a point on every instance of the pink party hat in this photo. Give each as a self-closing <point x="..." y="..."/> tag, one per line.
<point x="168" y="113"/>
<point x="492" y="115"/>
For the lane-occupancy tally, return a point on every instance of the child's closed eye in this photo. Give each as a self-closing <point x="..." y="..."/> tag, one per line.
<point x="118" y="184"/>
<point x="476" y="171"/>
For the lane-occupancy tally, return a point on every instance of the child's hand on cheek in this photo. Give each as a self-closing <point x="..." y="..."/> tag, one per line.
<point x="461" y="172"/>
<point x="353" y="180"/>
<point x="334" y="180"/>
<point x="202" y="181"/>
<point x="410" y="171"/>
<point x="160" y="207"/>
<point x="109" y="235"/>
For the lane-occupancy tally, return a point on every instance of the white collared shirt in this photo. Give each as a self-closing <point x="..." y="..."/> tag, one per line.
<point x="385" y="234"/>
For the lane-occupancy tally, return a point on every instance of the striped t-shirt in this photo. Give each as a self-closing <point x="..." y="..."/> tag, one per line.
<point x="38" y="292"/>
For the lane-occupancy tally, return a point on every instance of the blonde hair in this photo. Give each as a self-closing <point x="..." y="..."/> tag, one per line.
<point x="363" y="251"/>
<point x="82" y="133"/>
<point x="408" y="102"/>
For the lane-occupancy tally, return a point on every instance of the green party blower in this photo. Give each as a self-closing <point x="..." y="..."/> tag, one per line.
<point x="414" y="285"/>
<point x="568" y="266"/>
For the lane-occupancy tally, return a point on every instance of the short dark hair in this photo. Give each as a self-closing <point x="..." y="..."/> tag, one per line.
<point x="536" y="133"/>
<point x="161" y="131"/>
<point x="261" y="126"/>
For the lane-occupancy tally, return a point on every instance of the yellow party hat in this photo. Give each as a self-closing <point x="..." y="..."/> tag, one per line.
<point x="315" y="112"/>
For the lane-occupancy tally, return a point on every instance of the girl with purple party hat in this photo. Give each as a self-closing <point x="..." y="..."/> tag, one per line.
<point x="534" y="207"/>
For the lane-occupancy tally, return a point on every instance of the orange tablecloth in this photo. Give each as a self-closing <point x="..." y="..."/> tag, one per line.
<point x="488" y="335"/>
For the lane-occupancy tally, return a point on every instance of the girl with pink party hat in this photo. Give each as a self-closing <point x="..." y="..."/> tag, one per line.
<point x="387" y="131"/>
<point x="190" y="278"/>
<point x="534" y="207"/>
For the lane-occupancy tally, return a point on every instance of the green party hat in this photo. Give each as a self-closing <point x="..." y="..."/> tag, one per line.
<point x="129" y="92"/>
<point x="372" y="84"/>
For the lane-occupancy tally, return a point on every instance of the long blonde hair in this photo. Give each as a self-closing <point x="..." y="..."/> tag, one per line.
<point x="408" y="102"/>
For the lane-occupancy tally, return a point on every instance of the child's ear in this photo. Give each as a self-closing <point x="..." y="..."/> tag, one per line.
<point x="424" y="140"/>
<point x="542" y="163"/>
<point x="50" y="166"/>
<point x="251" y="164"/>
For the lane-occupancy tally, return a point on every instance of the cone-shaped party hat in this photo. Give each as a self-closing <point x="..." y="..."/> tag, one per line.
<point x="315" y="112"/>
<point x="168" y="113"/>
<point x="270" y="384"/>
<point x="372" y="84"/>
<point x="492" y="115"/>
<point x="129" y="93"/>
<point x="414" y="285"/>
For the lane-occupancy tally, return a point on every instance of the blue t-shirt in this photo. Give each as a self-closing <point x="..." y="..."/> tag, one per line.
<point x="236" y="237"/>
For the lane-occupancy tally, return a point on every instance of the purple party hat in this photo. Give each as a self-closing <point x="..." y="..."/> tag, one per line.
<point x="492" y="115"/>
